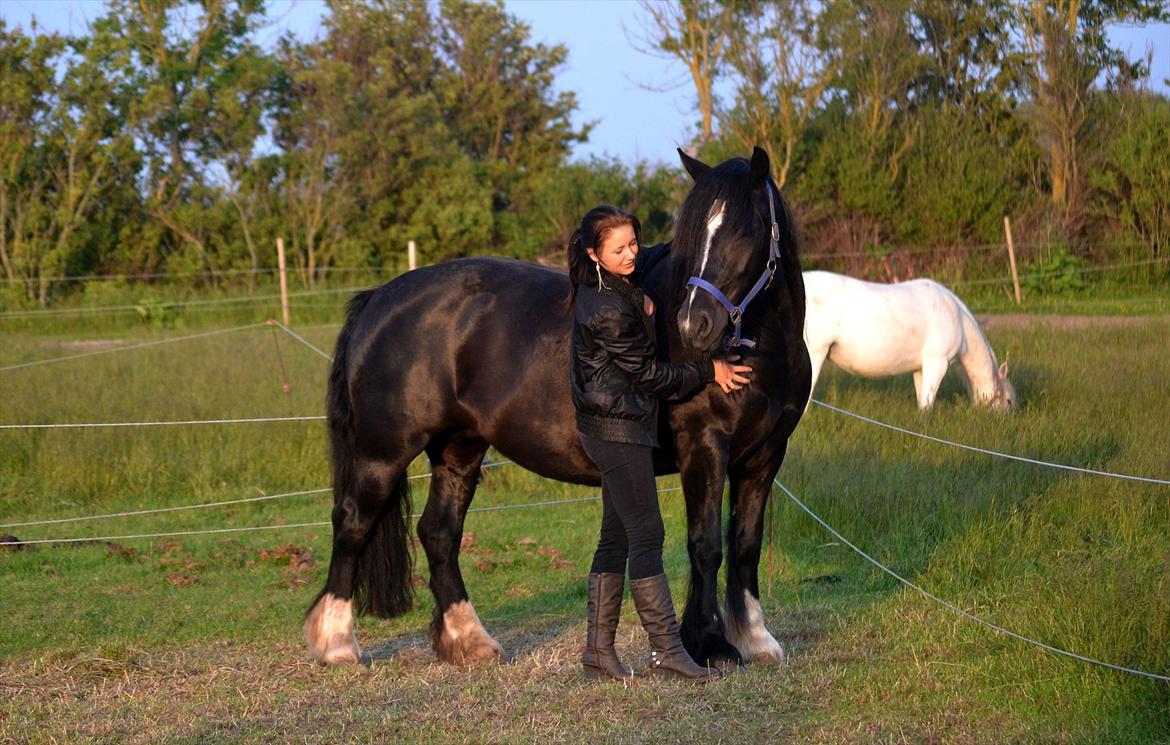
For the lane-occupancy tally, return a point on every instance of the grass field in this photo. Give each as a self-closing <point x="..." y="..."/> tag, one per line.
<point x="196" y="638"/>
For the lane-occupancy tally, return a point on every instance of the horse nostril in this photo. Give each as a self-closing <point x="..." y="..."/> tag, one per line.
<point x="704" y="327"/>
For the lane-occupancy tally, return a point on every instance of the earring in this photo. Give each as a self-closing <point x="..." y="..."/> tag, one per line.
<point x="600" y="284"/>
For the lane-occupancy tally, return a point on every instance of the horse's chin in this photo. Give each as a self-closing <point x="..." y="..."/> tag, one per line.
<point x="702" y="350"/>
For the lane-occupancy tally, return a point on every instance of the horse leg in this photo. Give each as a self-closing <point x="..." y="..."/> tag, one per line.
<point x="703" y="633"/>
<point x="816" y="358"/>
<point x="750" y="490"/>
<point x="371" y="557"/>
<point x="928" y="379"/>
<point x="456" y="632"/>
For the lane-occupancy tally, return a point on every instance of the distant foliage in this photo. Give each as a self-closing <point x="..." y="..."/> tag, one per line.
<point x="1133" y="183"/>
<point x="1054" y="274"/>
<point x="166" y="139"/>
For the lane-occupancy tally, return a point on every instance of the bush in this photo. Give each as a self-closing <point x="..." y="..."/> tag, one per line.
<point x="1133" y="183"/>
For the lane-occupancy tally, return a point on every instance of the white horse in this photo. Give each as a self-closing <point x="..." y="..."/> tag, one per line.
<point x="877" y="330"/>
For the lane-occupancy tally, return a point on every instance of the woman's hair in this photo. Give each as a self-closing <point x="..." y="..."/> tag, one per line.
<point x="595" y="226"/>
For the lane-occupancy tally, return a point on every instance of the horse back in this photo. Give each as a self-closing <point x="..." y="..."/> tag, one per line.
<point x="874" y="329"/>
<point x="477" y="346"/>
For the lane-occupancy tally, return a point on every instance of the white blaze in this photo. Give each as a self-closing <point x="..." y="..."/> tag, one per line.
<point x="714" y="220"/>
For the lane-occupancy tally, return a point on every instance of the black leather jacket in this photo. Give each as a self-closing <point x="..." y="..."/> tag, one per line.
<point x="616" y="376"/>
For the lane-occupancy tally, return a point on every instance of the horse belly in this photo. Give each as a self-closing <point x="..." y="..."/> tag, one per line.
<point x="878" y="355"/>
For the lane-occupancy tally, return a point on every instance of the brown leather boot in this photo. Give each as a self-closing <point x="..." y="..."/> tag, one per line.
<point x="605" y="606"/>
<point x="656" y="609"/>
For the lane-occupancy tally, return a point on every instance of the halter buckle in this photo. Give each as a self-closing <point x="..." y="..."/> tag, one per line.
<point x="736" y="315"/>
<point x="775" y="232"/>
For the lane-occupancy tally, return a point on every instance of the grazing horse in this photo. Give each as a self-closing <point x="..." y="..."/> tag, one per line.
<point x="876" y="330"/>
<point x="472" y="353"/>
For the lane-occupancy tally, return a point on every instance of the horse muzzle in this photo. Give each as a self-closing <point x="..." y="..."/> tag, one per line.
<point x="701" y="324"/>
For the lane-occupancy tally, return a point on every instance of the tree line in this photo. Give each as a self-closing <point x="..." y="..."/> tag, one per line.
<point x="167" y="138"/>
<point x="925" y="122"/>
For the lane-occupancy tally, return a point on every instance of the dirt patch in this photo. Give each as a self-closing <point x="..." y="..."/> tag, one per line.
<point x="1066" y="322"/>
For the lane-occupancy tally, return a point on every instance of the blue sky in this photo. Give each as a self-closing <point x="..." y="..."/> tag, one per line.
<point x="641" y="104"/>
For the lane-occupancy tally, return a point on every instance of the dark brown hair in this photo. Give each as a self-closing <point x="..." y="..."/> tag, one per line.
<point x="595" y="226"/>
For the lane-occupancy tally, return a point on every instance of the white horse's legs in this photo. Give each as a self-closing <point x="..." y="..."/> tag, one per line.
<point x="817" y="359"/>
<point x="928" y="379"/>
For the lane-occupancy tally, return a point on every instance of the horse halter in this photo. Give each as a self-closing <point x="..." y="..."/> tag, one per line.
<point x="736" y="311"/>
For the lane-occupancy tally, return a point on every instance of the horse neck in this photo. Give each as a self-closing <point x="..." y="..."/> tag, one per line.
<point x="977" y="359"/>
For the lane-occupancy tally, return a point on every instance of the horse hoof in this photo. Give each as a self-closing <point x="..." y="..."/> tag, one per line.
<point x="718" y="653"/>
<point x="752" y="638"/>
<point x="329" y="632"/>
<point x="462" y="640"/>
<point x="770" y="658"/>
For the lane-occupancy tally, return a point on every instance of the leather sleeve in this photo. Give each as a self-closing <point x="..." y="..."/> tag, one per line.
<point x="624" y="339"/>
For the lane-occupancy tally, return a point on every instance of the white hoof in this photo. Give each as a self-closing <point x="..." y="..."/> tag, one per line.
<point x="751" y="638"/>
<point x="329" y="632"/>
<point x="462" y="640"/>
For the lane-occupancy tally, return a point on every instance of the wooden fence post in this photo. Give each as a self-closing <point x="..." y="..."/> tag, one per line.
<point x="283" y="280"/>
<point x="1007" y="229"/>
<point x="411" y="256"/>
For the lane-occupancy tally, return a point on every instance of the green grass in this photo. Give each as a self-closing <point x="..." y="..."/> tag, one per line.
<point x="196" y="638"/>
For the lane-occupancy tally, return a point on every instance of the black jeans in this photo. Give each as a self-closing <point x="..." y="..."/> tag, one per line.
<point x="631" y="523"/>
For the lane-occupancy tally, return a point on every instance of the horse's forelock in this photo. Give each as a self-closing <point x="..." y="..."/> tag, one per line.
<point x="724" y="189"/>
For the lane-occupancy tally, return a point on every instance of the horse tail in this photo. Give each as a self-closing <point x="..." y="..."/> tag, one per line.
<point x="383" y="569"/>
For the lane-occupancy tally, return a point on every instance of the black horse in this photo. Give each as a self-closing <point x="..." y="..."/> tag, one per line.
<point x="472" y="353"/>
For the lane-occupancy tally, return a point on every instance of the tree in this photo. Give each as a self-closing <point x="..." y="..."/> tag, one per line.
<point x="200" y="80"/>
<point x="781" y="75"/>
<point x="878" y="63"/>
<point x="1067" y="49"/>
<point x="695" y="32"/>
<point x="1134" y="178"/>
<point x="59" y="144"/>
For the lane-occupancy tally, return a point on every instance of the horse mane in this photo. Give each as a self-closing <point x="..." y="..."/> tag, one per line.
<point x="727" y="181"/>
<point x="730" y="181"/>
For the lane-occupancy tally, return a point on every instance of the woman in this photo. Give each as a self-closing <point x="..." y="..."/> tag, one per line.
<point x="616" y="381"/>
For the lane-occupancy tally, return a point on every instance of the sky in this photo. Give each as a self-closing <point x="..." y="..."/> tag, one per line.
<point x="641" y="105"/>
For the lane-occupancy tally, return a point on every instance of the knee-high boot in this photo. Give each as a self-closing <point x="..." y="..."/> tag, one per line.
<point x="656" y="609"/>
<point x="605" y="606"/>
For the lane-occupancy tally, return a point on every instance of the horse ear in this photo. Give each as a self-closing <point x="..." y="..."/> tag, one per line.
<point x="760" y="166"/>
<point x="697" y="168"/>
<point x="1003" y="370"/>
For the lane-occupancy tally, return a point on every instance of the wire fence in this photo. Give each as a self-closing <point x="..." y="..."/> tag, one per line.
<point x="208" y="531"/>
<point x="128" y="347"/>
<point x="995" y="453"/>
<point x="947" y="604"/>
<point x="146" y="305"/>
<point x="207" y="304"/>
<point x="875" y="251"/>
<point x="206" y="273"/>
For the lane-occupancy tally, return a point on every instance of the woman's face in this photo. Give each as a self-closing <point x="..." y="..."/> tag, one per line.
<point x="617" y="251"/>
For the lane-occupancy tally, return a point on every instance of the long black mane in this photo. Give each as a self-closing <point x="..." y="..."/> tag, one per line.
<point x="731" y="182"/>
<point x="727" y="181"/>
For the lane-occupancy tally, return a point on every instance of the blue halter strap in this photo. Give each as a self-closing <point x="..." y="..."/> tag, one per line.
<point x="736" y="311"/>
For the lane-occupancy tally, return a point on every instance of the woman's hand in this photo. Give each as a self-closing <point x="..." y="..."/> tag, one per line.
<point x="729" y="376"/>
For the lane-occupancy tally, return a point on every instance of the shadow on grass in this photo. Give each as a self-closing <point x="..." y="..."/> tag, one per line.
<point x="521" y="626"/>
